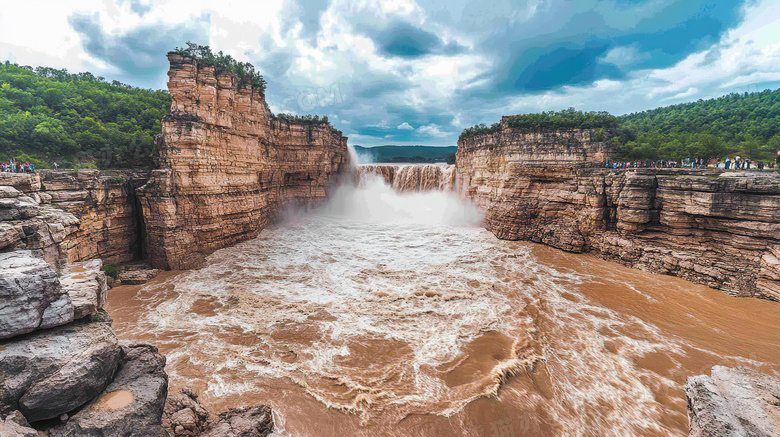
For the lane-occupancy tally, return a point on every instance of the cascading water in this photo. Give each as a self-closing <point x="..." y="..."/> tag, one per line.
<point x="390" y="311"/>
<point x="411" y="177"/>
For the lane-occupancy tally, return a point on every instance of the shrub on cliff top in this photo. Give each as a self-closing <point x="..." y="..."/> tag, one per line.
<point x="480" y="129"/>
<point x="243" y="70"/>
<point x="308" y="120"/>
<point x="564" y="120"/>
<point x="567" y="119"/>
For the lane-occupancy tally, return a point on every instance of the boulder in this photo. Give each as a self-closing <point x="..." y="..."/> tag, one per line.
<point x="183" y="415"/>
<point x="132" y="405"/>
<point x="18" y="208"/>
<point x="243" y="422"/>
<point x="7" y="192"/>
<point x="52" y="372"/>
<point x="15" y="425"/>
<point x="136" y="275"/>
<point x="86" y="285"/>
<point x="32" y="297"/>
<point x="733" y="402"/>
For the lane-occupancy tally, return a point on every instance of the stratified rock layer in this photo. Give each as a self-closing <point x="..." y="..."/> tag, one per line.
<point x="708" y="226"/>
<point x="111" y="227"/>
<point x="228" y="166"/>
<point x="73" y="215"/>
<point x="733" y="402"/>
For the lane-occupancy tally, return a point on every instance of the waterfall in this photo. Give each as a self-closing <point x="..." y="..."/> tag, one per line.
<point x="411" y="178"/>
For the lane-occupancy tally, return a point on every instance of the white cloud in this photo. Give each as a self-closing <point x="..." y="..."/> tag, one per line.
<point x="624" y="56"/>
<point x="433" y="130"/>
<point x="405" y="126"/>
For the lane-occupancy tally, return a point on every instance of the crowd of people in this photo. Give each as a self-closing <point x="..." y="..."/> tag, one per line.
<point x="737" y="163"/>
<point x="17" y="167"/>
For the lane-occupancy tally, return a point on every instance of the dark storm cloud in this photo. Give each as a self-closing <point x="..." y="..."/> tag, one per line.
<point x="404" y="40"/>
<point x="138" y="53"/>
<point x="565" y="45"/>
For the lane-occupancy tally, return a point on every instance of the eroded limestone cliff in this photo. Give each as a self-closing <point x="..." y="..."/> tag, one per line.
<point x="72" y="215"/>
<point x="708" y="226"/>
<point x="228" y="166"/>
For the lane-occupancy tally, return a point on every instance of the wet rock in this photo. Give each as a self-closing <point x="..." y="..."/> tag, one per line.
<point x="132" y="405"/>
<point x="86" y="285"/>
<point x="51" y="372"/>
<point x="137" y="274"/>
<point x="15" y="425"/>
<point x="183" y="415"/>
<point x="243" y="422"/>
<point x="733" y="402"/>
<point x="32" y="297"/>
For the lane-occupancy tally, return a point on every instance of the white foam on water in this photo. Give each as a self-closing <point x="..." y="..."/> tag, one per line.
<point x="414" y="271"/>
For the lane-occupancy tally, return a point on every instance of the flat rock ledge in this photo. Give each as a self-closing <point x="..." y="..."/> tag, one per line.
<point x="733" y="402"/>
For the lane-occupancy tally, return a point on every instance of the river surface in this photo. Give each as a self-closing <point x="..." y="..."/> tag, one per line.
<point x="387" y="314"/>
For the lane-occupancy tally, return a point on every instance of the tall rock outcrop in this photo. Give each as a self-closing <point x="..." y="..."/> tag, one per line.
<point x="228" y="165"/>
<point x="708" y="226"/>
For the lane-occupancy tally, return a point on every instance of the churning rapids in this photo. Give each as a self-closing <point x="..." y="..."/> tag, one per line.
<point x="395" y="314"/>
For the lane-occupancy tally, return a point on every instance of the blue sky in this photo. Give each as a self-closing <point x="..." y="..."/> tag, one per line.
<point x="418" y="72"/>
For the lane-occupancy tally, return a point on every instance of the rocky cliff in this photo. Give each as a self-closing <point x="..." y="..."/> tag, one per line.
<point x="228" y="166"/>
<point x="62" y="367"/>
<point x="73" y="215"/>
<point x="712" y="227"/>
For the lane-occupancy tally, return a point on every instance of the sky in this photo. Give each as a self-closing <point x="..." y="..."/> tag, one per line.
<point x="419" y="72"/>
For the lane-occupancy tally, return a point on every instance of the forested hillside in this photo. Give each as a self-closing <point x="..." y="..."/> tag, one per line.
<point x="746" y="124"/>
<point x="735" y="124"/>
<point x="49" y="115"/>
<point x="407" y="154"/>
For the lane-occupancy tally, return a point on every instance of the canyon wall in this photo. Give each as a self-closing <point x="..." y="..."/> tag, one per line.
<point x="708" y="226"/>
<point x="228" y="166"/>
<point x="72" y="215"/>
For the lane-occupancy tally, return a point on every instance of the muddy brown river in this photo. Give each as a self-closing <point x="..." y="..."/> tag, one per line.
<point x="387" y="314"/>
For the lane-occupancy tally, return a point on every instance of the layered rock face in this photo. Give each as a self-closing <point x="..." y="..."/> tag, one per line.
<point x="228" y="166"/>
<point x="111" y="225"/>
<point x="712" y="227"/>
<point x="71" y="216"/>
